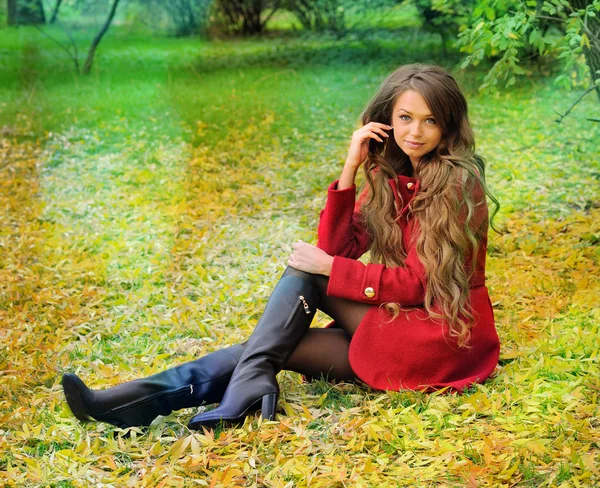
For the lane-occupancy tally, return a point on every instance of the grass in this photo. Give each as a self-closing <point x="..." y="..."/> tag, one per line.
<point x="147" y="213"/>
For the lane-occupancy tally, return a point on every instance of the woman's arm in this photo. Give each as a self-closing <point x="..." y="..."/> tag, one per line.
<point x="377" y="283"/>
<point x="341" y="231"/>
<point x="359" y="149"/>
<point x="367" y="283"/>
<point x="347" y="177"/>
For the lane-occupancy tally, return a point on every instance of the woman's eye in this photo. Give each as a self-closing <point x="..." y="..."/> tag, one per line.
<point x="429" y="120"/>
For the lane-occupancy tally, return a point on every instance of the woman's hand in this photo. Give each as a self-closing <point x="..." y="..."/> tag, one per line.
<point x="359" y="148"/>
<point x="359" y="145"/>
<point x="310" y="259"/>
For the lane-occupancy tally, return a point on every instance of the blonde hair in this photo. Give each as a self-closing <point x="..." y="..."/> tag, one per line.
<point x="446" y="243"/>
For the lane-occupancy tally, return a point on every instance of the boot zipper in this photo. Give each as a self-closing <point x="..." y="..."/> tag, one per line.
<point x="306" y="309"/>
<point x="293" y="313"/>
<point x="150" y="398"/>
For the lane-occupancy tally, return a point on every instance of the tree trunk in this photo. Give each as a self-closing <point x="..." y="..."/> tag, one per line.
<point x="12" y="12"/>
<point x="592" y="53"/>
<point x="55" y="11"/>
<point x="90" y="58"/>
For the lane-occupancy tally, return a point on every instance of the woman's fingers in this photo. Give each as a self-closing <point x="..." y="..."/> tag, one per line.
<point x="293" y="257"/>
<point x="310" y="259"/>
<point x="373" y="132"/>
<point x="377" y="126"/>
<point x="359" y="145"/>
<point x="375" y="136"/>
<point x="300" y="251"/>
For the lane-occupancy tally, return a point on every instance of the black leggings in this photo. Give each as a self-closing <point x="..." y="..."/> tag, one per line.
<point x="324" y="352"/>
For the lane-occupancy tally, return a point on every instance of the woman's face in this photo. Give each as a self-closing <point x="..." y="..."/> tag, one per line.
<point x="415" y="130"/>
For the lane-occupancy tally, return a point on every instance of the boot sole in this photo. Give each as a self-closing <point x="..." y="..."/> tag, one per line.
<point x="267" y="404"/>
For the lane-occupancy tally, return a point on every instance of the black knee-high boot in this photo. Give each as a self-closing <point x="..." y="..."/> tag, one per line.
<point x="253" y="385"/>
<point x="139" y="402"/>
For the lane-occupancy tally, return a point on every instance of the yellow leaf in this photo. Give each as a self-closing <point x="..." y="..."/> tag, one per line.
<point x="289" y="411"/>
<point x="487" y="455"/>
<point x="179" y="447"/>
<point x="322" y="399"/>
<point x="585" y="41"/>
<point x="505" y="475"/>
<point x="195" y="446"/>
<point x="368" y="466"/>
<point x="589" y="461"/>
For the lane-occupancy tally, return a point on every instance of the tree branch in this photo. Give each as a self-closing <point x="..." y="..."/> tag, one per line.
<point x="55" y="11"/>
<point x="595" y="87"/>
<point x="61" y="45"/>
<point x="88" y="62"/>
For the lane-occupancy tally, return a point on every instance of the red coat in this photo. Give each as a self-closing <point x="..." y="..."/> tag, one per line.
<point x="412" y="351"/>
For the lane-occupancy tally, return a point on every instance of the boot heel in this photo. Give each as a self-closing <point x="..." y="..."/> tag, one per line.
<point x="269" y="403"/>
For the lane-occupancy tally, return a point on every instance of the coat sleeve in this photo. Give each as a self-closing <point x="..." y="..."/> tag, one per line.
<point x="376" y="284"/>
<point x="342" y="234"/>
<point x="341" y="231"/>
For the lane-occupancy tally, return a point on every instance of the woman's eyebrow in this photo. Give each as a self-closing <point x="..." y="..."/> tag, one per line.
<point x="428" y="115"/>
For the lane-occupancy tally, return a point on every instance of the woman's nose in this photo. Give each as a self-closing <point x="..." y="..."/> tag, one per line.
<point x="415" y="130"/>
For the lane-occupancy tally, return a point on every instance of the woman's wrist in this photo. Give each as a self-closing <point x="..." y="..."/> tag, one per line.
<point x="328" y="265"/>
<point x="348" y="176"/>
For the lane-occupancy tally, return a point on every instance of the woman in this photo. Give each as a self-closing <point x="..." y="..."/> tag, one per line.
<point x="417" y="317"/>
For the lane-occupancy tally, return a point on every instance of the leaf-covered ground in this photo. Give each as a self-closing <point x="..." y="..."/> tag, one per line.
<point x="144" y="222"/>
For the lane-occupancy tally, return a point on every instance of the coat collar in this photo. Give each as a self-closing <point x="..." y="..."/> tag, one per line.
<point x="404" y="189"/>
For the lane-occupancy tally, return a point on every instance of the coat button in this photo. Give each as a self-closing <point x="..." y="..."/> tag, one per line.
<point x="369" y="292"/>
<point x="410" y="185"/>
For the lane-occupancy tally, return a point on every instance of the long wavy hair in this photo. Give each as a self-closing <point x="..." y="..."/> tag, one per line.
<point x="446" y="244"/>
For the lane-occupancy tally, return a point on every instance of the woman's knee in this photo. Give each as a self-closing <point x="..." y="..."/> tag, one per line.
<point x="311" y="278"/>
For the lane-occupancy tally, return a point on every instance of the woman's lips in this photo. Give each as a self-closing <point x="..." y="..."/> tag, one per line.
<point x="414" y="145"/>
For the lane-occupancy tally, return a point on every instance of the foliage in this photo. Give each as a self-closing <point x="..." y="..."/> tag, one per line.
<point x="244" y="16"/>
<point x="189" y="17"/>
<point x="25" y="12"/>
<point x="319" y="15"/>
<point x="506" y="31"/>
<point x="72" y="49"/>
<point x="147" y="213"/>
<point x="443" y="16"/>
<point x="345" y="17"/>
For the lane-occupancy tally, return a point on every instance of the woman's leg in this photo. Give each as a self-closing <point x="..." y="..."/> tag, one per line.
<point x="346" y="313"/>
<point x="282" y="325"/>
<point x="324" y="352"/>
<point x="139" y="402"/>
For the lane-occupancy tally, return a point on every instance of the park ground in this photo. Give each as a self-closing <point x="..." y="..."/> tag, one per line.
<point x="147" y="210"/>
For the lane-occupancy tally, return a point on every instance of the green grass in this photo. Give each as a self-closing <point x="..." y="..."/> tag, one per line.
<point x="148" y="210"/>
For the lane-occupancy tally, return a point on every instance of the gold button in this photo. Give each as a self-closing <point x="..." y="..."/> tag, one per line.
<point x="369" y="292"/>
<point x="410" y="185"/>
